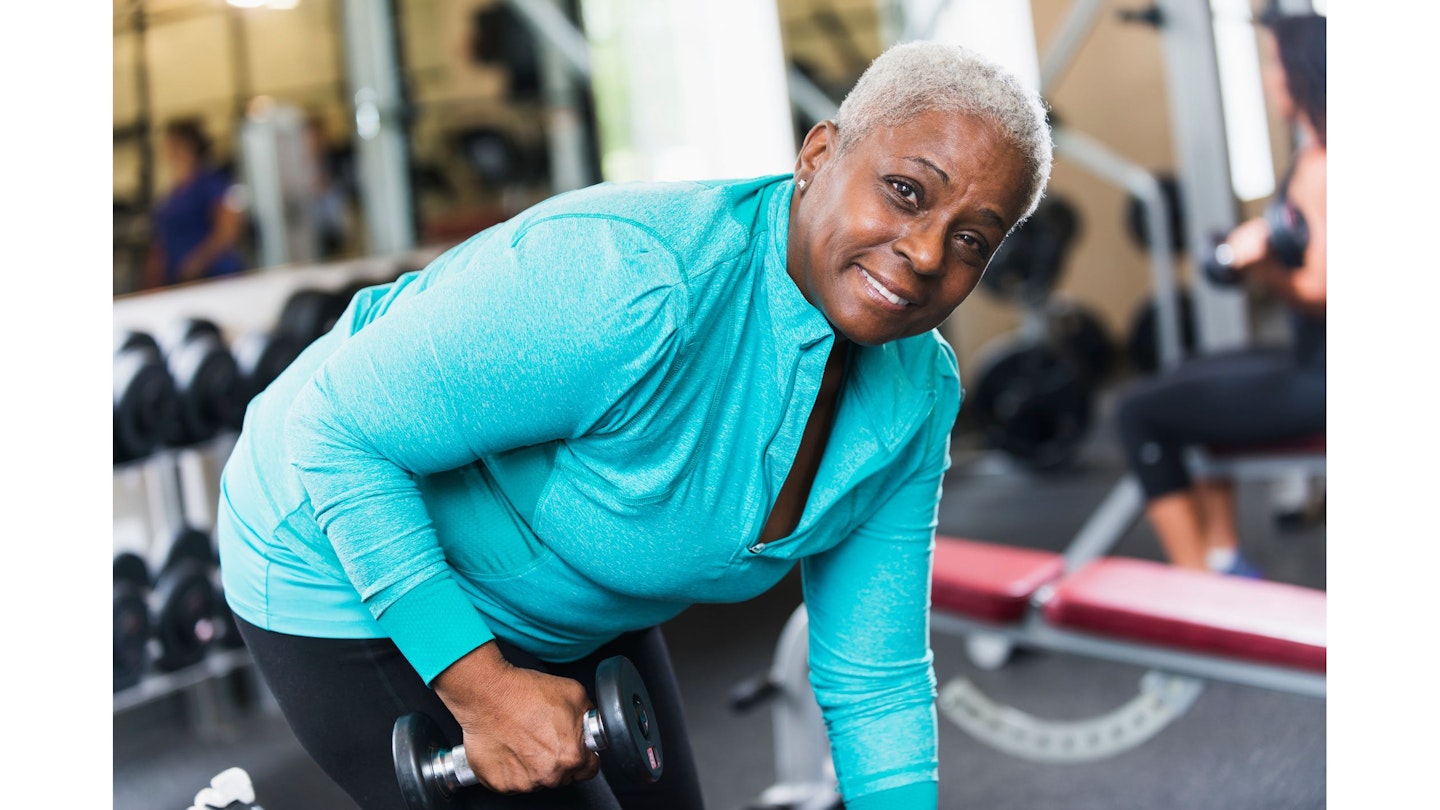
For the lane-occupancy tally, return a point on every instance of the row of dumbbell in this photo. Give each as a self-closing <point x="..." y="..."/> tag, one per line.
<point x="173" y="619"/>
<point x="186" y="386"/>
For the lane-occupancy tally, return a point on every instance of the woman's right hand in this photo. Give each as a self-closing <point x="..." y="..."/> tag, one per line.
<point x="522" y="728"/>
<point x="1249" y="242"/>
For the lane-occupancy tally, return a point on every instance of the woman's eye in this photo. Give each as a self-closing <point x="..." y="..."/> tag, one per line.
<point x="906" y="191"/>
<point x="972" y="242"/>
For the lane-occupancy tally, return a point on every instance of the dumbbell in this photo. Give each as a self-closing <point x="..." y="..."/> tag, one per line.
<point x="260" y="357"/>
<point x="187" y="603"/>
<point x="145" y="399"/>
<point x="621" y="729"/>
<point x="180" y="610"/>
<point x="207" y="382"/>
<point x="133" y="623"/>
<point x="1032" y="401"/>
<point x="309" y="313"/>
<point x="1289" y="236"/>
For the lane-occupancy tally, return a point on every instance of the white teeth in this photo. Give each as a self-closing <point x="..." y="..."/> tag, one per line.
<point x="889" y="296"/>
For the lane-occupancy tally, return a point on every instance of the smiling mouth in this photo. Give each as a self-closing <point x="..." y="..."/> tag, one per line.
<point x="883" y="291"/>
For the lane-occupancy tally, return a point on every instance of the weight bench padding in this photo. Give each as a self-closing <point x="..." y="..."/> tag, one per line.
<point x="1139" y="600"/>
<point x="989" y="582"/>
<point x="1311" y="445"/>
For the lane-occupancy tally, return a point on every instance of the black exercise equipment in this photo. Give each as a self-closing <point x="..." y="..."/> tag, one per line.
<point x="145" y="401"/>
<point x="169" y="622"/>
<point x="1289" y="236"/>
<point x="207" y="383"/>
<point x="621" y="729"/>
<point x="260" y="357"/>
<point x="1218" y="264"/>
<point x="1136" y="219"/>
<point x="1289" y="233"/>
<point x="1028" y="264"/>
<point x="133" y="623"/>
<point x="1077" y="332"/>
<point x="1142" y="344"/>
<point x="1032" y="401"/>
<point x="185" y="601"/>
<point x="309" y="313"/>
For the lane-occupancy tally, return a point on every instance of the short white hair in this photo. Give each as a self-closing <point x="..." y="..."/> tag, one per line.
<point x="917" y="77"/>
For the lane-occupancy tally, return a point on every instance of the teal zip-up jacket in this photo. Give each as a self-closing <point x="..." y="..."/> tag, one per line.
<point x="574" y="424"/>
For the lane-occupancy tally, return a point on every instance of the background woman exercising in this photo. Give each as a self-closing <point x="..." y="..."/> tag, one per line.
<point x="1256" y="396"/>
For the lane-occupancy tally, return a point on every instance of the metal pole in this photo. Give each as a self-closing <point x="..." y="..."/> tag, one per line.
<point x="565" y="125"/>
<point x="1202" y="160"/>
<point x="382" y="155"/>
<point x="1073" y="31"/>
<point x="557" y="32"/>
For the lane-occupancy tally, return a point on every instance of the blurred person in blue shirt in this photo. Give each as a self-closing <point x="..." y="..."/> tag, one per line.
<point x="197" y="224"/>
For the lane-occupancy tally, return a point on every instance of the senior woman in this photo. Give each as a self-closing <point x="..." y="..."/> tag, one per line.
<point x="628" y="399"/>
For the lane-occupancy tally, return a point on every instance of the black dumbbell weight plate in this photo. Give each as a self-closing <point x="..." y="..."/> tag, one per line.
<point x="1142" y="345"/>
<point x="1077" y="332"/>
<point x="131" y="634"/>
<point x="133" y="625"/>
<point x="629" y="719"/>
<point x="208" y="383"/>
<point x="144" y="405"/>
<point x="1136" y="217"/>
<point x="261" y="357"/>
<point x="414" y="743"/>
<point x="1028" y="264"/>
<point x="185" y="620"/>
<point x="190" y="543"/>
<point x="1033" y="404"/>
<point x="309" y="313"/>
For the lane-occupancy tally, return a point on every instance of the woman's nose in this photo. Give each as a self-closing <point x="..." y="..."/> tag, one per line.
<point x="923" y="245"/>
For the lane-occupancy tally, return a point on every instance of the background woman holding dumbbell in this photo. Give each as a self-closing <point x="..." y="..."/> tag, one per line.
<point x="1256" y="396"/>
<point x="497" y="472"/>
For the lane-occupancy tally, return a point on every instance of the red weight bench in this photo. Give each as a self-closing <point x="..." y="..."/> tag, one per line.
<point x="1139" y="612"/>
<point x="1184" y="626"/>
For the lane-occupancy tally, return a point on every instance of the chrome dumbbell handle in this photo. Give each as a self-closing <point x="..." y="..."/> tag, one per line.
<point x="594" y="732"/>
<point x="451" y="768"/>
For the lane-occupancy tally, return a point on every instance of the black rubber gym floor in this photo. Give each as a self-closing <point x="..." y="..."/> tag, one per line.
<point x="1239" y="748"/>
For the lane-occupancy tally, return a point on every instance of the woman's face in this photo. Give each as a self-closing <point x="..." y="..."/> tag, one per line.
<point x="1272" y="77"/>
<point x="888" y="238"/>
<point x="180" y="154"/>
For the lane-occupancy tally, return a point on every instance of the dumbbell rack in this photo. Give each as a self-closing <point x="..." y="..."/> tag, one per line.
<point x="174" y="485"/>
<point x="177" y="484"/>
<point x="165" y="488"/>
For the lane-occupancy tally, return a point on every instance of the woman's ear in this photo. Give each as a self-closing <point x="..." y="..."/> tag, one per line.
<point x="819" y="146"/>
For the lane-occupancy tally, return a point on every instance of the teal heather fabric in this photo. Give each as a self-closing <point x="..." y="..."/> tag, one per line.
<point x="573" y="425"/>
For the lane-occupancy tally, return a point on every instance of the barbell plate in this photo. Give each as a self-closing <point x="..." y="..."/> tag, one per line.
<point x="635" y="751"/>
<point x="1031" y="403"/>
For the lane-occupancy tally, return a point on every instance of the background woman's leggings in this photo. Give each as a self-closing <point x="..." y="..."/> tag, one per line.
<point x="341" y="698"/>
<point x="1240" y="398"/>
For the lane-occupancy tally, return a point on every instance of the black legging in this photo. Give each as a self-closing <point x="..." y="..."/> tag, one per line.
<point x="1251" y="397"/>
<point x="341" y="698"/>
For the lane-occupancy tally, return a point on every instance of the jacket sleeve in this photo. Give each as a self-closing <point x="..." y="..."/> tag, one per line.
<point x="549" y="337"/>
<point x="871" y="665"/>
